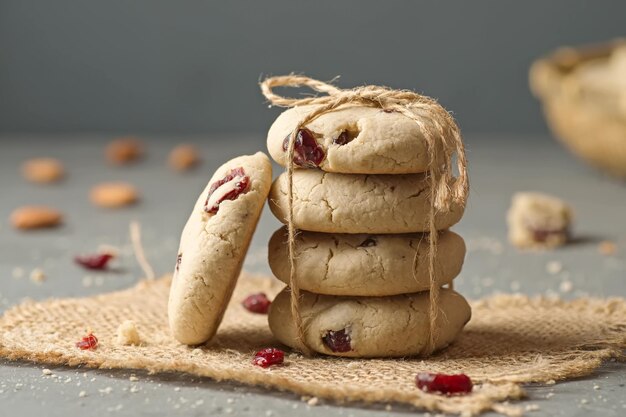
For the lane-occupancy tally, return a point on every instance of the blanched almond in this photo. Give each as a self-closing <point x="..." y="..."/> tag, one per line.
<point x="113" y="194"/>
<point x="35" y="217"/>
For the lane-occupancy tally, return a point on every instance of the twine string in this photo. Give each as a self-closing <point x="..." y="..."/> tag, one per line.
<point x="443" y="140"/>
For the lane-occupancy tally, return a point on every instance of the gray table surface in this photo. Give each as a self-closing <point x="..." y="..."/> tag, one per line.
<point x="499" y="166"/>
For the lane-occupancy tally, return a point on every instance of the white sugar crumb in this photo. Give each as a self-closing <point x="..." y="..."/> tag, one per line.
<point x="37" y="275"/>
<point x="46" y="372"/>
<point x="133" y="378"/>
<point x="554" y="267"/>
<point x="18" y="272"/>
<point x="177" y="389"/>
<point x="596" y="387"/>
<point x="134" y="389"/>
<point x="313" y="401"/>
<point x="106" y="390"/>
<point x="82" y="394"/>
<point x="127" y="334"/>
<point x="532" y="407"/>
<point x="566" y="286"/>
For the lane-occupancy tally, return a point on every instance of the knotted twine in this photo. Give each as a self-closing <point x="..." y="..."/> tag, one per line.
<point x="438" y="128"/>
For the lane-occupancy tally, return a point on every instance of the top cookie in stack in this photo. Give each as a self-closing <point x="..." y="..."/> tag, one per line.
<point x="360" y="255"/>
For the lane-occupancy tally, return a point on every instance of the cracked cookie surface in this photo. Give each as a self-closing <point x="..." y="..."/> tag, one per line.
<point x="365" y="265"/>
<point x="369" y="326"/>
<point x="360" y="140"/>
<point x="352" y="203"/>
<point x="213" y="245"/>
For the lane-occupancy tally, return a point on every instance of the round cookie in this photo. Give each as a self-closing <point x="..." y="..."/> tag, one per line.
<point x="355" y="140"/>
<point x="213" y="245"/>
<point x="353" y="203"/>
<point x="369" y="326"/>
<point x="365" y="265"/>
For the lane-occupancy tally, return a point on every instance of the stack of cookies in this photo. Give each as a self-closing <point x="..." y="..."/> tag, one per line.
<point x="361" y="202"/>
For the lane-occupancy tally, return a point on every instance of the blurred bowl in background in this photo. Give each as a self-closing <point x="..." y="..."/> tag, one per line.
<point x="583" y="92"/>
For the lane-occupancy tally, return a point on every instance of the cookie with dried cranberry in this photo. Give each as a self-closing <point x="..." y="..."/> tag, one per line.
<point x="363" y="264"/>
<point x="355" y="140"/>
<point x="538" y="221"/>
<point x="366" y="327"/>
<point x="354" y="203"/>
<point x="213" y="245"/>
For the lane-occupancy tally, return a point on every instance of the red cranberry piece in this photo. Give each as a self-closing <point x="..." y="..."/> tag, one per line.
<point x="268" y="357"/>
<point x="99" y="261"/>
<point x="444" y="384"/>
<point x="89" y="342"/>
<point x="541" y="235"/>
<point x="241" y="186"/>
<point x="337" y="341"/>
<point x="257" y="303"/>
<point x="345" y="137"/>
<point x="368" y="243"/>
<point x="306" y="152"/>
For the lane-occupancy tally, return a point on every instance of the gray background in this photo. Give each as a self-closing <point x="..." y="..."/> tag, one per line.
<point x="192" y="66"/>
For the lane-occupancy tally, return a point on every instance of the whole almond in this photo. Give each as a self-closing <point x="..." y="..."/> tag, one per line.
<point x="35" y="217"/>
<point x="124" y="150"/>
<point x="183" y="157"/>
<point x="113" y="194"/>
<point x="43" y="170"/>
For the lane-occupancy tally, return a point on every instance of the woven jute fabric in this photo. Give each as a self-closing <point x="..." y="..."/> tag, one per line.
<point x="511" y="339"/>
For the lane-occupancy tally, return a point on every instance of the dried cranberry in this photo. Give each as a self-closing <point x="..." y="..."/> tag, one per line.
<point x="306" y="152"/>
<point x="337" y="341"/>
<point x="268" y="357"/>
<point x="179" y="259"/>
<point x="89" y="342"/>
<point x="368" y="243"/>
<point x="541" y="235"/>
<point x="241" y="186"/>
<point x="257" y="303"/>
<point x="344" y="137"/>
<point x="99" y="261"/>
<point x="444" y="384"/>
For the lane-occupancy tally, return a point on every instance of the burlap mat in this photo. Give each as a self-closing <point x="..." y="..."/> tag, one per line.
<point x="511" y="339"/>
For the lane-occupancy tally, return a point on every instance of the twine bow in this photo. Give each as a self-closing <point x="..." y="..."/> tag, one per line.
<point x="438" y="128"/>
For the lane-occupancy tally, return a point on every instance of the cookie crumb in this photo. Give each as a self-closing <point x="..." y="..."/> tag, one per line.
<point x="388" y="407"/>
<point x="607" y="248"/>
<point x="113" y="195"/>
<point x="133" y="378"/>
<point x="46" y="371"/>
<point x="596" y="387"/>
<point x="127" y="334"/>
<point x="82" y="394"/>
<point x="554" y="267"/>
<point x="42" y="170"/>
<point x="531" y="407"/>
<point x="18" y="272"/>
<point x="183" y="157"/>
<point x="566" y="286"/>
<point x="124" y="150"/>
<point x="313" y="401"/>
<point x="37" y="275"/>
<point x="134" y="389"/>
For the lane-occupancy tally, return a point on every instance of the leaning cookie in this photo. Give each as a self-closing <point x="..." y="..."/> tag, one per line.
<point x="213" y="245"/>
<point x="353" y="203"/>
<point x="369" y="326"/>
<point x="356" y="140"/>
<point x="365" y="265"/>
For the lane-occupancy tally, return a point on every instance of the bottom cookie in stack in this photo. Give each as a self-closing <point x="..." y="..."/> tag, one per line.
<point x="363" y="327"/>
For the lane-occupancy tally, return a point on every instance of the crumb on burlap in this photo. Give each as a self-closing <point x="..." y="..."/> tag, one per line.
<point x="127" y="334"/>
